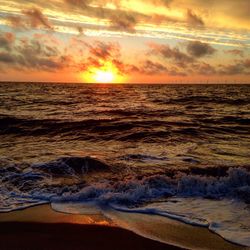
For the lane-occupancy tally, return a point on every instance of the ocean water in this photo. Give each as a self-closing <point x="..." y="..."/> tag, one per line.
<point x="180" y="151"/>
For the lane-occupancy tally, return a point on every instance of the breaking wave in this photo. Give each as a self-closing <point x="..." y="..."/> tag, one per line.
<point x="88" y="179"/>
<point x="197" y="197"/>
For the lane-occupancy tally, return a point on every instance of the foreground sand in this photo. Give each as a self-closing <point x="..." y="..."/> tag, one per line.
<point x="42" y="228"/>
<point x="71" y="236"/>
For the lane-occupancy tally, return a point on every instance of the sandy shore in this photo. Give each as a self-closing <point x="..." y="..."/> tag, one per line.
<point x="42" y="228"/>
<point x="26" y="235"/>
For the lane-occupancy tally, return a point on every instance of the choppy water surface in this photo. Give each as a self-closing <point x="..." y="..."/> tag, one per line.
<point x="129" y="146"/>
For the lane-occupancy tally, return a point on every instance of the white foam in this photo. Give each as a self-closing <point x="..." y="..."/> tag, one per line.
<point x="228" y="218"/>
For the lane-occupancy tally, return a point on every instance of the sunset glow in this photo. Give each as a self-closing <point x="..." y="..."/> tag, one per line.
<point x="163" y="41"/>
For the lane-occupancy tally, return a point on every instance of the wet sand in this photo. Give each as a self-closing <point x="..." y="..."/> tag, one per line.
<point x="42" y="228"/>
<point x="26" y="235"/>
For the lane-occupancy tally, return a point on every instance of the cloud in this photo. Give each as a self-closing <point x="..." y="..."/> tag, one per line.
<point x="30" y="18"/>
<point x="37" y="55"/>
<point x="150" y="67"/>
<point x="186" y="64"/>
<point x="104" y="51"/>
<point x="33" y="55"/>
<point x="234" y="69"/>
<point x="16" y="21"/>
<point x="37" y="18"/>
<point x="119" y="19"/>
<point x="164" y="51"/>
<point x="123" y="21"/>
<point x="45" y="53"/>
<point x="80" y="30"/>
<point x="146" y="67"/>
<point x="199" y="49"/>
<point x="79" y="3"/>
<point x="124" y="68"/>
<point x="101" y="53"/>
<point x="194" y="19"/>
<point x="6" y="58"/>
<point x="240" y="67"/>
<point x="246" y="63"/>
<point x="6" y="40"/>
<point x="205" y="69"/>
<point x="235" y="52"/>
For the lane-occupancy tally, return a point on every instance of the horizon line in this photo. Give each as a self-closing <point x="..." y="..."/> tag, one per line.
<point x="132" y="83"/>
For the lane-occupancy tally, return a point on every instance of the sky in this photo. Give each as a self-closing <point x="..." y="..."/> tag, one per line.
<point x="125" y="41"/>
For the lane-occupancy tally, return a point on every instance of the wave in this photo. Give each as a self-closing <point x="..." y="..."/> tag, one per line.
<point x="120" y="129"/>
<point x="195" y="196"/>
<point x="194" y="99"/>
<point x="236" y="184"/>
<point x="86" y="178"/>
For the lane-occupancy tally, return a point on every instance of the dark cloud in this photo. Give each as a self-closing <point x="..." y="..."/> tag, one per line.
<point x="6" y="40"/>
<point x="37" y="18"/>
<point x="30" y="18"/>
<point x="123" y="21"/>
<point x="199" y="49"/>
<point x="6" y="58"/>
<point x="179" y="57"/>
<point x="235" y="52"/>
<point x="205" y="69"/>
<point x="234" y="69"/>
<point x="37" y="55"/>
<point x="246" y="63"/>
<point x="240" y="67"/>
<point x="119" y="19"/>
<point x="34" y="55"/>
<point x="147" y="67"/>
<point x="80" y="30"/>
<point x="99" y="53"/>
<point x="104" y="51"/>
<point x="127" y="20"/>
<point x="184" y="64"/>
<point x="16" y="21"/>
<point x="194" y="19"/>
<point x="150" y="68"/>
<point x="79" y="3"/>
<point x="123" y="68"/>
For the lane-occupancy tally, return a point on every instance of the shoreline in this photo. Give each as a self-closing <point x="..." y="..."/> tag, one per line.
<point x="24" y="229"/>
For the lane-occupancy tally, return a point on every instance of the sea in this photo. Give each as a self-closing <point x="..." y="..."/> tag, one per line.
<point x="176" y="151"/>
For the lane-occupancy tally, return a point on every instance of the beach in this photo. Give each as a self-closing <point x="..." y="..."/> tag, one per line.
<point x="42" y="228"/>
<point x="124" y="166"/>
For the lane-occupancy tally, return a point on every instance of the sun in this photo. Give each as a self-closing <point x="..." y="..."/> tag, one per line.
<point x="108" y="73"/>
<point x="102" y="76"/>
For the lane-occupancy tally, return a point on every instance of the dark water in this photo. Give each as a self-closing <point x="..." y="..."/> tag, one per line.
<point x="174" y="126"/>
<point x="128" y="144"/>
